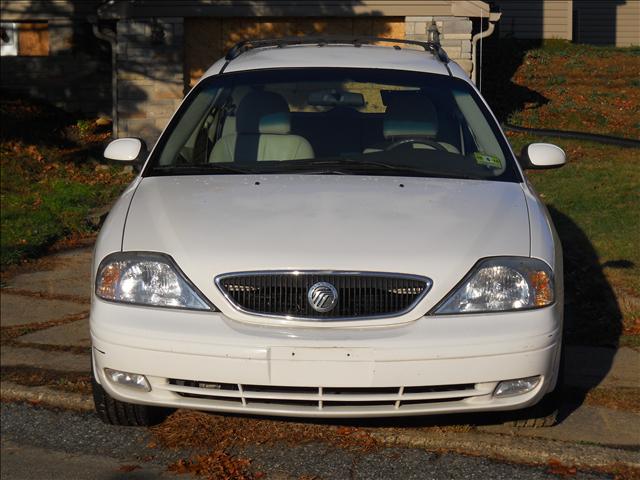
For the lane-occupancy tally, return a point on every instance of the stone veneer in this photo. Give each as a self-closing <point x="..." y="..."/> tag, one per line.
<point x="150" y="75"/>
<point x="455" y="36"/>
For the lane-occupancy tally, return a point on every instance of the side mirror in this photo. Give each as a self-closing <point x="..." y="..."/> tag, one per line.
<point x="541" y="156"/>
<point x="130" y="150"/>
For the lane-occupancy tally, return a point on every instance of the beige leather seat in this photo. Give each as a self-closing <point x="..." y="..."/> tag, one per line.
<point x="263" y="132"/>
<point x="411" y="117"/>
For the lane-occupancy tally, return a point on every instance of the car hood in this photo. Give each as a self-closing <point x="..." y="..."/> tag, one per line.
<point x="433" y="227"/>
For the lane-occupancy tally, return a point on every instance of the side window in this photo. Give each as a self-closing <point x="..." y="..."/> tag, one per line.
<point x="181" y="145"/>
<point x="487" y="150"/>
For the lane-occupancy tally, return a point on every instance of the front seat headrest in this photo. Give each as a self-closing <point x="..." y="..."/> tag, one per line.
<point x="410" y="116"/>
<point x="263" y="112"/>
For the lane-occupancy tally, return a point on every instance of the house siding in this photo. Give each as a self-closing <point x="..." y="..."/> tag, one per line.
<point x="536" y="19"/>
<point x="607" y="22"/>
<point x="613" y="22"/>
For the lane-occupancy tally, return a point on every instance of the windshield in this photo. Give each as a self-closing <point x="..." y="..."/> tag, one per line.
<point x="334" y="121"/>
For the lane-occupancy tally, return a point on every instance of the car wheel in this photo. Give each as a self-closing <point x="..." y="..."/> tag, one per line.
<point x="115" y="412"/>
<point x="545" y="412"/>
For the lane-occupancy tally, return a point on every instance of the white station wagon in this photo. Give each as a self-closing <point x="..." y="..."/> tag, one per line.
<point x="329" y="228"/>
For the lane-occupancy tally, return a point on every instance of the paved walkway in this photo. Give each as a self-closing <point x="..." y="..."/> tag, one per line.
<point x="44" y="313"/>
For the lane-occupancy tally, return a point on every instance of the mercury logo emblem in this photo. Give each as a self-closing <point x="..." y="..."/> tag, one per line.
<point x="322" y="297"/>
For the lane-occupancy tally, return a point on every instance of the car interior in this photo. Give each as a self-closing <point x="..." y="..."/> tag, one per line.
<point x="263" y="127"/>
<point x="239" y="125"/>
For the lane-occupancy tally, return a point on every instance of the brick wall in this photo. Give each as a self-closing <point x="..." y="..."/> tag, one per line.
<point x="150" y="75"/>
<point x="455" y="36"/>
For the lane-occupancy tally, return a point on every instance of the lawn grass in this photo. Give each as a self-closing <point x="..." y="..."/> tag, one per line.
<point x="588" y="89"/>
<point x="565" y="86"/>
<point x="50" y="179"/>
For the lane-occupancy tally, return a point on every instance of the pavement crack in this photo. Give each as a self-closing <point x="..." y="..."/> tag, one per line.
<point x="47" y="295"/>
<point x="9" y="333"/>
<point x="74" y="382"/>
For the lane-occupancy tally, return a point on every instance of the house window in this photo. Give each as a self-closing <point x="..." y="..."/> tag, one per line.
<point x="8" y="39"/>
<point x="25" y="38"/>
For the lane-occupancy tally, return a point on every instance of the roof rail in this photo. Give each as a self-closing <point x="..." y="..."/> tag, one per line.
<point x="241" y="47"/>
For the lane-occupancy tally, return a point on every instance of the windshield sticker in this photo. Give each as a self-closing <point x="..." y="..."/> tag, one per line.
<point x="487" y="160"/>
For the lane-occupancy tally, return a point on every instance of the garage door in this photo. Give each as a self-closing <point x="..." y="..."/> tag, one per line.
<point x="206" y="39"/>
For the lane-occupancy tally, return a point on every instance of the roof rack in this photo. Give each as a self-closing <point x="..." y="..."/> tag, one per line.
<point x="241" y="47"/>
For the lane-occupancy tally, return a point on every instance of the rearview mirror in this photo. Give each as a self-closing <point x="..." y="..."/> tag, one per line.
<point x="336" y="98"/>
<point x="130" y="150"/>
<point x="542" y="155"/>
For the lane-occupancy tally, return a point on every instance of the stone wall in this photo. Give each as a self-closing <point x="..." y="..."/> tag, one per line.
<point x="74" y="76"/>
<point x="150" y="75"/>
<point x="207" y="39"/>
<point x="455" y="36"/>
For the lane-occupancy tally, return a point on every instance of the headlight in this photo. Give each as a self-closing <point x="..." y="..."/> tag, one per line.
<point x="146" y="279"/>
<point x="501" y="284"/>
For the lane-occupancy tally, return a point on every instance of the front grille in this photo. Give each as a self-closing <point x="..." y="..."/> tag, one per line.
<point x="326" y="400"/>
<point x="359" y="295"/>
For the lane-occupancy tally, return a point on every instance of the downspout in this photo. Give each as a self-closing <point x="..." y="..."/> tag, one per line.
<point x="493" y="18"/>
<point x="112" y="39"/>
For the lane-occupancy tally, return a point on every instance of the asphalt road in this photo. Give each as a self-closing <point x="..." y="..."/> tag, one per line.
<point x="44" y="444"/>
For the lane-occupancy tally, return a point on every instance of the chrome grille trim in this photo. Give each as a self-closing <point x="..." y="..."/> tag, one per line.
<point x="324" y="398"/>
<point x="363" y="295"/>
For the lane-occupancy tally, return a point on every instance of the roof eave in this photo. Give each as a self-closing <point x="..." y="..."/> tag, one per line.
<point x="115" y="9"/>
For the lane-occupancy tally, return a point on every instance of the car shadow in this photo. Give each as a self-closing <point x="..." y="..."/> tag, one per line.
<point x="593" y="319"/>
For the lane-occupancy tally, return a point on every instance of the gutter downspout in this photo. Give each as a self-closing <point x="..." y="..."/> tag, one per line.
<point x="114" y="74"/>
<point x="493" y="18"/>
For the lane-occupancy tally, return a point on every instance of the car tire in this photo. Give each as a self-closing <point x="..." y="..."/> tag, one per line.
<point x="116" y="412"/>
<point x="544" y="413"/>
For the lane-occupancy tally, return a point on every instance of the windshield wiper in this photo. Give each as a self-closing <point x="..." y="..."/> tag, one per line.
<point x="347" y="164"/>
<point x="199" y="169"/>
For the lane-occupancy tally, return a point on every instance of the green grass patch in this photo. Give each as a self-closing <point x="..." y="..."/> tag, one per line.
<point x="51" y="210"/>
<point x="50" y="179"/>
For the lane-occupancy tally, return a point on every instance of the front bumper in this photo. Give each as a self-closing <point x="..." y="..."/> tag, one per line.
<point x="434" y="365"/>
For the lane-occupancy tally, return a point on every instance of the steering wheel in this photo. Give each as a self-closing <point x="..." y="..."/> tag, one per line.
<point x="411" y="141"/>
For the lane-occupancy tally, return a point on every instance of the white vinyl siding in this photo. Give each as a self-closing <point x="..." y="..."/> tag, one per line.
<point x="536" y="19"/>
<point x="608" y="23"/>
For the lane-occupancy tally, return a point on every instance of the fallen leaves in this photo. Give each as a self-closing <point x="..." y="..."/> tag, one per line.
<point x="128" y="468"/>
<point x="192" y="429"/>
<point x="220" y="435"/>
<point x="566" y="87"/>
<point x="616" y="398"/>
<point x="556" y="467"/>
<point x="217" y="465"/>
